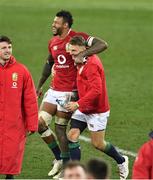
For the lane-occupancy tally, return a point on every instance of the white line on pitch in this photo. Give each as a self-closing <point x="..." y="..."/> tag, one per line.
<point x="130" y="153"/>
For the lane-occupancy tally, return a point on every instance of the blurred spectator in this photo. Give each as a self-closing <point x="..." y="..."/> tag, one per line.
<point x="18" y="110"/>
<point x="98" y="169"/>
<point x="74" y="170"/>
<point x="143" y="165"/>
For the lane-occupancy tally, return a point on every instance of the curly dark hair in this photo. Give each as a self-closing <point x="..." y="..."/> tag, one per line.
<point x="67" y="16"/>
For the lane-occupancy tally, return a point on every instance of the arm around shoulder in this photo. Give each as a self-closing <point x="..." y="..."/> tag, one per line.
<point x="45" y="73"/>
<point x="95" y="46"/>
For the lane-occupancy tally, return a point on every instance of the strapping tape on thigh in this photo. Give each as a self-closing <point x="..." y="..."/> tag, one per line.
<point x="61" y="121"/>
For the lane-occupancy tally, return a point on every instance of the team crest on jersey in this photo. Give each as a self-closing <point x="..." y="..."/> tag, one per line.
<point x="55" y="48"/>
<point x="15" y="76"/>
<point x="14" y="80"/>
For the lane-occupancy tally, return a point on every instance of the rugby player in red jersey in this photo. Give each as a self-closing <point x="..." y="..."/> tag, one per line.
<point x="63" y="85"/>
<point x="92" y="109"/>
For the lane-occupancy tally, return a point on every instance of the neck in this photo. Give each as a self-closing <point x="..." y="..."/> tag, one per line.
<point x="65" y="33"/>
<point x="2" y="62"/>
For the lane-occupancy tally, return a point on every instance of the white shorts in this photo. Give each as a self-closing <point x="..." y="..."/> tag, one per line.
<point x="56" y="97"/>
<point x="95" y="122"/>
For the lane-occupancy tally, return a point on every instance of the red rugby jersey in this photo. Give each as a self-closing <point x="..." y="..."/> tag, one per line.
<point x="91" y="85"/>
<point x="65" y="70"/>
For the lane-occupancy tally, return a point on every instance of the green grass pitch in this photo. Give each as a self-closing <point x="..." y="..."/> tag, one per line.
<point x="127" y="27"/>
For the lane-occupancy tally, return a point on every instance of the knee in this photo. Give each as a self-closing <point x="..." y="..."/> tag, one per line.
<point x="73" y="134"/>
<point x="43" y="129"/>
<point x="44" y="118"/>
<point x="42" y="126"/>
<point x="44" y="121"/>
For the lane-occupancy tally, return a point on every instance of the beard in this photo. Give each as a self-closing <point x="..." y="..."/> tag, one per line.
<point x="57" y="31"/>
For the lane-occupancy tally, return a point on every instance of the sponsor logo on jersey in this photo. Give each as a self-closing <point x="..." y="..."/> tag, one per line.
<point x="62" y="66"/>
<point x="61" y="59"/>
<point x="62" y="62"/>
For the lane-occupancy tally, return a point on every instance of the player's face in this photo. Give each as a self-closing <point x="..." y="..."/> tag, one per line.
<point x="74" y="50"/>
<point x="5" y="51"/>
<point x="75" y="173"/>
<point x="58" y="26"/>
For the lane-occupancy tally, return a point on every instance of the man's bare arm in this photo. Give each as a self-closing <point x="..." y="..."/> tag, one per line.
<point x="97" y="45"/>
<point x="45" y="73"/>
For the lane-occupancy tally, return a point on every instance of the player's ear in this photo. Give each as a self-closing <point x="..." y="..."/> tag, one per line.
<point x="66" y="25"/>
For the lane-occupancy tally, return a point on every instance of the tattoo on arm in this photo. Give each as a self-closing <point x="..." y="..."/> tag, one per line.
<point x="46" y="71"/>
<point x="98" y="45"/>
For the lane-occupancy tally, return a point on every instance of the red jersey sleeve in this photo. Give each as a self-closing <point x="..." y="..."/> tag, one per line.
<point x="87" y="38"/>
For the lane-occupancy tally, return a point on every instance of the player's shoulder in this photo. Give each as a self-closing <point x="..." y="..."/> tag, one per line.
<point x="88" y="38"/>
<point x="95" y="61"/>
<point x="22" y="68"/>
<point x="75" y="33"/>
<point x="149" y="144"/>
<point x="53" y="39"/>
<point x="80" y="33"/>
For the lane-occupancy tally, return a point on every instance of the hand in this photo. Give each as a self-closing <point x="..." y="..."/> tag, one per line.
<point x="79" y="59"/>
<point x="72" y="106"/>
<point x="39" y="93"/>
<point x="53" y="72"/>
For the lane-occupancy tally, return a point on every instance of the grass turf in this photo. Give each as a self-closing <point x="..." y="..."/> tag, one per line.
<point x="128" y="29"/>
